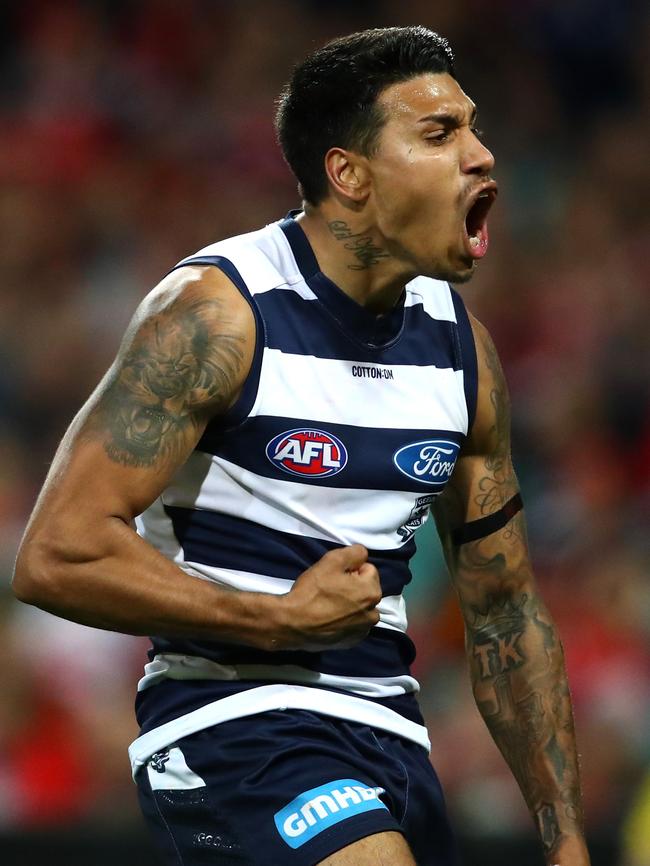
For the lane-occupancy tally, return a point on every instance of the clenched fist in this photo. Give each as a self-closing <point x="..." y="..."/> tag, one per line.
<point x="332" y="604"/>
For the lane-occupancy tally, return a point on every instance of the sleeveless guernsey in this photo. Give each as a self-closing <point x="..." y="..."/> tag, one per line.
<point x="347" y="428"/>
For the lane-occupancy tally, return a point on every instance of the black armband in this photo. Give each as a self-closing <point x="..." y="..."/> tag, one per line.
<point x="487" y="525"/>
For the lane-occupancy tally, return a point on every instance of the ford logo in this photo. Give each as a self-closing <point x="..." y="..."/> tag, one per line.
<point x="430" y="462"/>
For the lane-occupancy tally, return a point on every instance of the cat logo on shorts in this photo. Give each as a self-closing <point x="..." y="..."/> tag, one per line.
<point x="158" y="760"/>
<point x="319" y="808"/>
<point x="307" y="452"/>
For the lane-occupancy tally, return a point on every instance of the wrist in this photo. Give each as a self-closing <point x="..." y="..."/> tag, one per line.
<point x="271" y="621"/>
<point x="570" y="851"/>
<point x="255" y="619"/>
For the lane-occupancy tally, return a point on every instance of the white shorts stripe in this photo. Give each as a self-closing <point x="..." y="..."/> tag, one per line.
<point x="275" y="697"/>
<point x="175" y="666"/>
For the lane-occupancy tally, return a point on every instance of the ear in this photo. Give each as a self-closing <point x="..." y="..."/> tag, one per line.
<point x="348" y="174"/>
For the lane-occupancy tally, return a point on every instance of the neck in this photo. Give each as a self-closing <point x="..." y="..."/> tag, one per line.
<point x="354" y="255"/>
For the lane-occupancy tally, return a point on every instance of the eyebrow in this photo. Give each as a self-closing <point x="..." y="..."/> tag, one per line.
<point x="446" y="119"/>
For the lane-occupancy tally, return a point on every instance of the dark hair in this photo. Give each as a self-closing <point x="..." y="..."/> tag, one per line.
<point x="331" y="98"/>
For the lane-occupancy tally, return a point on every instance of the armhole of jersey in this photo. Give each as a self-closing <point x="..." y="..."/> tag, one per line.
<point x="468" y="357"/>
<point x="240" y="410"/>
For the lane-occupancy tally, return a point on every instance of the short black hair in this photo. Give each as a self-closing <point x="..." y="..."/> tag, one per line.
<point x="331" y="98"/>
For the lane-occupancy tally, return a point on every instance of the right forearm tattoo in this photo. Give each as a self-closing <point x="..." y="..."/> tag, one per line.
<point x="517" y="670"/>
<point x="514" y="652"/>
<point x="518" y="678"/>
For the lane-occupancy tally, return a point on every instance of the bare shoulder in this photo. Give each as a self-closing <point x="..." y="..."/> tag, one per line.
<point x="184" y="359"/>
<point x="198" y="304"/>
<point x="485" y="349"/>
<point x="491" y="431"/>
<point x="192" y="290"/>
<point x="484" y="478"/>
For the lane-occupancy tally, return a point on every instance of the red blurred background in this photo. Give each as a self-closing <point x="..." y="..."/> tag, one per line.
<point x="133" y="132"/>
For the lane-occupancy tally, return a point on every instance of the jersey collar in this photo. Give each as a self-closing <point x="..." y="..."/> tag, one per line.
<point x="374" y="331"/>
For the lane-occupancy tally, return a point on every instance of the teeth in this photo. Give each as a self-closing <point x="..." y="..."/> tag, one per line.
<point x="474" y="242"/>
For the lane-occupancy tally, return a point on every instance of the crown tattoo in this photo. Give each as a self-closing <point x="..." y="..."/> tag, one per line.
<point x="500" y="615"/>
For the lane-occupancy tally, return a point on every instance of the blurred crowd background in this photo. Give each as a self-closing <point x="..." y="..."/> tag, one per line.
<point x="133" y="132"/>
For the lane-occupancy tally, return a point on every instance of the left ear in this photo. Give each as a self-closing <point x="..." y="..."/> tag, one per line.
<point x="348" y="175"/>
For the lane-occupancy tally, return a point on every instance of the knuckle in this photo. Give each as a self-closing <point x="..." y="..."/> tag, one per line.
<point x="371" y="575"/>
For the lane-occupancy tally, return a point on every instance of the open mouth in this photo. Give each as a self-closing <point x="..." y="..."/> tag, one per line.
<point x="476" y="231"/>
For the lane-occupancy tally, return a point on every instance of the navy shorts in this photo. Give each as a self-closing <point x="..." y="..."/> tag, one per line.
<point x="289" y="788"/>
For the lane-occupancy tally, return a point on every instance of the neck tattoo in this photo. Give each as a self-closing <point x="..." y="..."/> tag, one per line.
<point x="362" y="246"/>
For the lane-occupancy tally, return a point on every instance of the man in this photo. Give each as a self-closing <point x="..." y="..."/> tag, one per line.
<point x="284" y="410"/>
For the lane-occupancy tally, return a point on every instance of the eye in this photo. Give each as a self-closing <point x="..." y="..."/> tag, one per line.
<point x="438" y="137"/>
<point x="477" y="132"/>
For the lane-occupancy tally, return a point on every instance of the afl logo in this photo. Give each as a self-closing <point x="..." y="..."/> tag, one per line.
<point x="430" y="462"/>
<point x="310" y="453"/>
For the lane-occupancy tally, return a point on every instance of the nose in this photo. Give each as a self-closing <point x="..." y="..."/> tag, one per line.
<point x="477" y="158"/>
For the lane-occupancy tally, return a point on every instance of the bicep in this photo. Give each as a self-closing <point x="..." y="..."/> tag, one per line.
<point x="182" y="361"/>
<point x="484" y="478"/>
<point x="479" y="522"/>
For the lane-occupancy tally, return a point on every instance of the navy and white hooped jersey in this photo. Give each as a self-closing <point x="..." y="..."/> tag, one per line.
<point x="347" y="428"/>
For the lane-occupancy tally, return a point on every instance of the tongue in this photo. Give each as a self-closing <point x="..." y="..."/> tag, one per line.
<point x="478" y="244"/>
